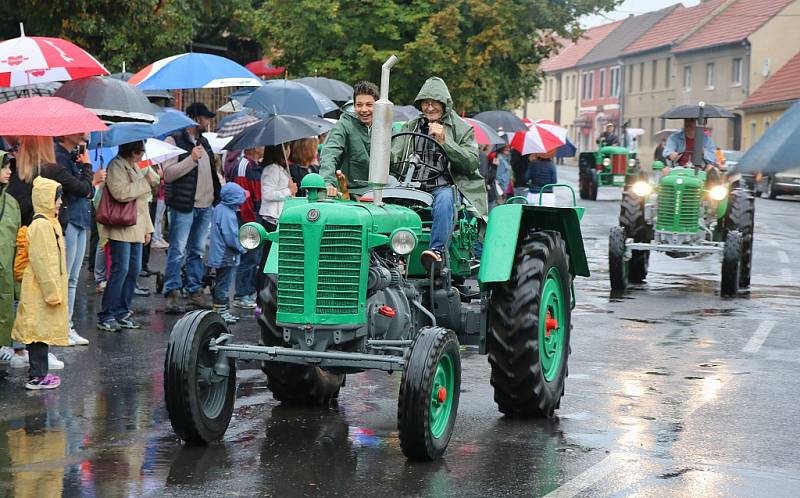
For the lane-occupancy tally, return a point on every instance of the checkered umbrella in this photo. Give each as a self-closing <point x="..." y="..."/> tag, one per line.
<point x="236" y="126"/>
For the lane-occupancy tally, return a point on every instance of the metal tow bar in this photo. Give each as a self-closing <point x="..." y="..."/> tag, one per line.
<point x="311" y="358"/>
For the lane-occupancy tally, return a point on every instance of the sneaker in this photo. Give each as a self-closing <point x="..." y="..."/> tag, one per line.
<point x="76" y="339"/>
<point x="159" y="244"/>
<point x="20" y="360"/>
<point x="245" y="303"/>
<point x="6" y="354"/>
<point x="129" y="323"/>
<point x="199" y="301"/>
<point x="141" y="291"/>
<point x="108" y="326"/>
<point x="430" y="257"/>
<point x="101" y="286"/>
<point x="145" y="272"/>
<point x="225" y="314"/>
<point x="174" y="307"/>
<point x="49" y="381"/>
<point x="54" y="363"/>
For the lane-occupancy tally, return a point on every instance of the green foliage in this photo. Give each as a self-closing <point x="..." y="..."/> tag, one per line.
<point x="486" y="50"/>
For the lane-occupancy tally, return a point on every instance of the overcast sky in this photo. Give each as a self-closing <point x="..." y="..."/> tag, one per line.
<point x="629" y="7"/>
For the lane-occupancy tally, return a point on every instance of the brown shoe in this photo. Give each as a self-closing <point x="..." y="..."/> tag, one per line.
<point x="199" y="301"/>
<point x="431" y="257"/>
<point x="174" y="307"/>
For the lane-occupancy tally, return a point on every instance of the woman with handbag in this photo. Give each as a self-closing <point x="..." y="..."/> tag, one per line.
<point x="125" y="221"/>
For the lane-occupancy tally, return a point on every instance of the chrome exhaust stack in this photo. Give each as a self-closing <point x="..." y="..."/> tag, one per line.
<point x="380" y="154"/>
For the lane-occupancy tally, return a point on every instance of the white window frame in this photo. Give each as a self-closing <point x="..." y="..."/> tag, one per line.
<point x="711" y="75"/>
<point x="602" y="76"/>
<point x="736" y="71"/>
<point x="687" y="78"/>
<point x="614" y="81"/>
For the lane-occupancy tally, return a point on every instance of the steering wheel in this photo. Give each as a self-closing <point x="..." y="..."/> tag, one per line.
<point x="398" y="167"/>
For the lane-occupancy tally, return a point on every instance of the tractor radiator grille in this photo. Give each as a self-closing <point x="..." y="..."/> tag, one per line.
<point x="619" y="164"/>
<point x="291" y="291"/>
<point x="678" y="208"/>
<point x="339" y="270"/>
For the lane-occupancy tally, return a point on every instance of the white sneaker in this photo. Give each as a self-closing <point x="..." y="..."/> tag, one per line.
<point x="20" y="361"/>
<point x="76" y="339"/>
<point x="6" y="354"/>
<point x="54" y="363"/>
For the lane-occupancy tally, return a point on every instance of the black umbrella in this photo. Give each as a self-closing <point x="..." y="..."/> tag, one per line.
<point x="778" y="149"/>
<point x="278" y="129"/>
<point x="289" y="97"/>
<point x="502" y="121"/>
<point x="114" y="101"/>
<point x="337" y="91"/>
<point x="405" y="112"/>
<point x="692" y="111"/>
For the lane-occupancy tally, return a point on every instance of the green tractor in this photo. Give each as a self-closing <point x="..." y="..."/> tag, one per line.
<point x="689" y="211"/>
<point x="610" y="165"/>
<point x="344" y="293"/>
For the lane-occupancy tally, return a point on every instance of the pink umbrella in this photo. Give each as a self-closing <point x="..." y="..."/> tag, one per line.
<point x="30" y="60"/>
<point x="542" y="136"/>
<point x="46" y="117"/>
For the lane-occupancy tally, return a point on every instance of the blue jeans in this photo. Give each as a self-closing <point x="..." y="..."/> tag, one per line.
<point x="443" y="212"/>
<point x="188" y="233"/>
<point x="75" y="247"/>
<point x="222" y="284"/>
<point x="246" y="273"/>
<point x="126" y="263"/>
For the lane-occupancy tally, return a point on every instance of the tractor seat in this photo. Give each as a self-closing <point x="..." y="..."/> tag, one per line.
<point x="402" y="196"/>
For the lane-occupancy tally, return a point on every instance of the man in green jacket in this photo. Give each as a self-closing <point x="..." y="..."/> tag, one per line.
<point x="347" y="146"/>
<point x="459" y="167"/>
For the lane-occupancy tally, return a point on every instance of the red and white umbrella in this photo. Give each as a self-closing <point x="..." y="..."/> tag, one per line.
<point x="29" y="60"/>
<point x="542" y="136"/>
<point x="157" y="151"/>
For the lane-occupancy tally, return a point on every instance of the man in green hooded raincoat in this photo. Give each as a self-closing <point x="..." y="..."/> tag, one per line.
<point x="459" y="167"/>
<point x="9" y="225"/>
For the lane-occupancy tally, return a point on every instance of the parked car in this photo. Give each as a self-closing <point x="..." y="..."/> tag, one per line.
<point x="754" y="182"/>
<point x="784" y="183"/>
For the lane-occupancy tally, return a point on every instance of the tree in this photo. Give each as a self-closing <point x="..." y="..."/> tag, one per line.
<point x="487" y="51"/>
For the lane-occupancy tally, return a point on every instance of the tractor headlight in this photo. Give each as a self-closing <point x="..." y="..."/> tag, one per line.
<point x="403" y="241"/>
<point x="252" y="235"/>
<point x="642" y="189"/>
<point x="606" y="161"/>
<point x="718" y="192"/>
<point x="631" y="163"/>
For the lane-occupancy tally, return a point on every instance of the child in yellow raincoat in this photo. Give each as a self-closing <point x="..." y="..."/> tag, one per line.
<point x="42" y="313"/>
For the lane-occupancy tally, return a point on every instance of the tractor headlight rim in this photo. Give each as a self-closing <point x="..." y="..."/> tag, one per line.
<point x="250" y="237"/>
<point x="403" y="241"/>
<point x="631" y="163"/>
<point x="642" y="188"/>
<point x="606" y="161"/>
<point x="718" y="192"/>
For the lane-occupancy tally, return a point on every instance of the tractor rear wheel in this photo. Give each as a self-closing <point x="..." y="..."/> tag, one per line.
<point x="583" y="184"/>
<point x="631" y="217"/>
<point x="617" y="266"/>
<point x="592" y="179"/>
<point x="429" y="393"/>
<point x="291" y="384"/>
<point x="529" y="328"/>
<point x="741" y="217"/>
<point x="199" y="392"/>
<point x="731" y="264"/>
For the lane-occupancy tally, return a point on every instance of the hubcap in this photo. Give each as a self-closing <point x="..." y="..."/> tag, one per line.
<point x="211" y="387"/>
<point x="442" y="396"/>
<point x="552" y="317"/>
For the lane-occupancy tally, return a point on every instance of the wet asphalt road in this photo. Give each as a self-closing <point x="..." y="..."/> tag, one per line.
<point x="672" y="392"/>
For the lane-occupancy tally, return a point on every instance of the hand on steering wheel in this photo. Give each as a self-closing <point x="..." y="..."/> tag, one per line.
<point x="399" y="167"/>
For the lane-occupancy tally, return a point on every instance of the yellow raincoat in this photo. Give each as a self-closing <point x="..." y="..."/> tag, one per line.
<point x="42" y="312"/>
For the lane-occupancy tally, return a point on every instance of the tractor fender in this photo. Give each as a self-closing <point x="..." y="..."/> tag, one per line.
<point x="508" y="221"/>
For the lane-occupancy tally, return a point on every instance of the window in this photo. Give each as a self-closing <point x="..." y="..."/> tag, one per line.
<point x="667" y="72"/>
<point x="613" y="83"/>
<point x="687" y="78"/>
<point x="602" y="83"/>
<point x="710" y="75"/>
<point x="652" y="127"/>
<point x="588" y="85"/>
<point x="630" y="79"/>
<point x="654" y="75"/>
<point x="736" y="72"/>
<point x="752" y="131"/>
<point x="641" y="76"/>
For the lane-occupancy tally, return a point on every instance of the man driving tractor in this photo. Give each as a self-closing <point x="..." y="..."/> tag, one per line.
<point x="458" y="167"/>
<point x="680" y="145"/>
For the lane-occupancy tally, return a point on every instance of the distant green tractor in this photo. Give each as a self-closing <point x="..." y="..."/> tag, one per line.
<point x="344" y="293"/>
<point x="687" y="212"/>
<point x="610" y="165"/>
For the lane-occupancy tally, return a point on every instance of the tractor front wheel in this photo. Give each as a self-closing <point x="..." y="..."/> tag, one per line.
<point x="529" y="328"/>
<point x="632" y="218"/>
<point x="199" y="387"/>
<point x="291" y="384"/>
<point x="731" y="264"/>
<point x="741" y="217"/>
<point x="429" y="392"/>
<point x="617" y="266"/>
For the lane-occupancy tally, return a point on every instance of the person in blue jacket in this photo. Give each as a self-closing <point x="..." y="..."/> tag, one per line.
<point x="224" y="248"/>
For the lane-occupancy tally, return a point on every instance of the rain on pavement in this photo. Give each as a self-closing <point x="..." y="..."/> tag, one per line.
<point x="672" y="391"/>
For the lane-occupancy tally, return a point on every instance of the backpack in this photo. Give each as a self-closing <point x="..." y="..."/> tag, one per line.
<point x="21" y="259"/>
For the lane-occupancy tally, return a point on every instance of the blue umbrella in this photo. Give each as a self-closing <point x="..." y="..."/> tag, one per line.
<point x="169" y="120"/>
<point x="102" y="156"/>
<point x="288" y="97"/>
<point x="778" y="149"/>
<point x="193" y="70"/>
<point x="567" y="150"/>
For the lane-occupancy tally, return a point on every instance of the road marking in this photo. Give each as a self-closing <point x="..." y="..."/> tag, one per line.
<point x="590" y="476"/>
<point x="755" y="342"/>
<point x="783" y="257"/>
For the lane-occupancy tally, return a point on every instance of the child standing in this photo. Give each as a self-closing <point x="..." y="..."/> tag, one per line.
<point x="9" y="225"/>
<point x="42" y="313"/>
<point x="224" y="248"/>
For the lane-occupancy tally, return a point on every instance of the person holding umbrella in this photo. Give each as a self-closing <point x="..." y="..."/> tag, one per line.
<point x="680" y="146"/>
<point x="191" y="188"/>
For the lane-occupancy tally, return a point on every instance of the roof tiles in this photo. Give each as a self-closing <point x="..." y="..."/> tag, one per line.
<point x="671" y="27"/>
<point x="571" y="53"/>
<point x="781" y="87"/>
